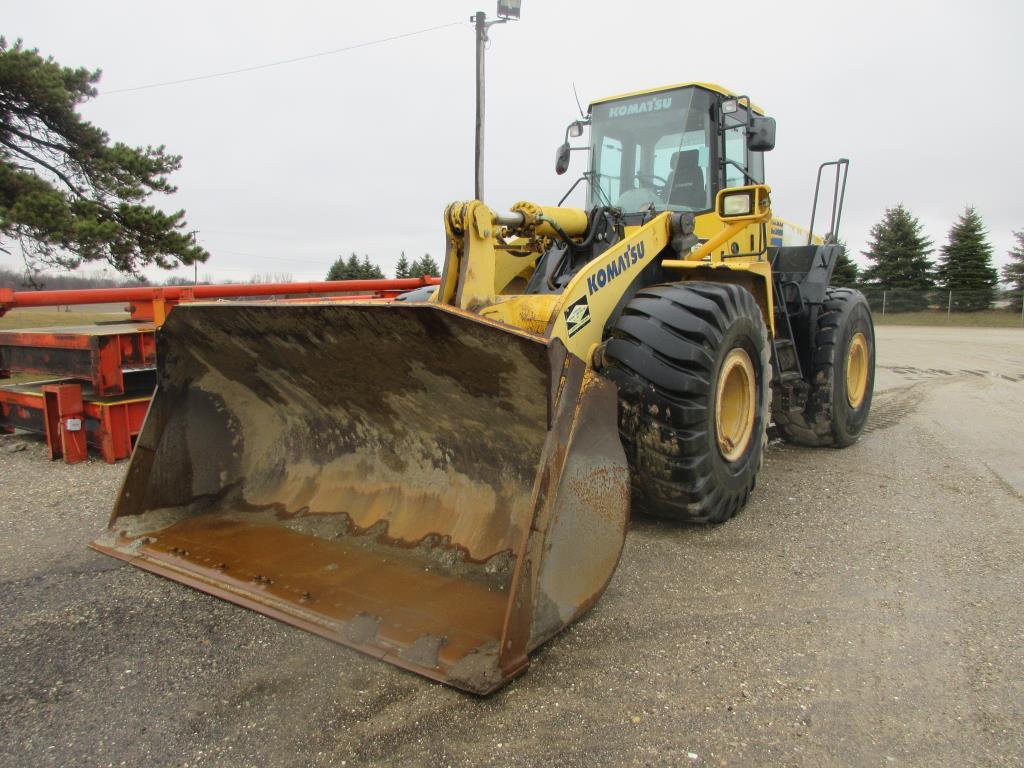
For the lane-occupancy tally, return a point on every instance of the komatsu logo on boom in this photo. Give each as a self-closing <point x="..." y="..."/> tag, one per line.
<point x="627" y="258"/>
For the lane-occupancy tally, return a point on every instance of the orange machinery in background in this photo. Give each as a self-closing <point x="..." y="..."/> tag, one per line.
<point x="97" y="380"/>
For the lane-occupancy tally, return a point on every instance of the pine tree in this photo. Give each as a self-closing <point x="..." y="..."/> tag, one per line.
<point x="67" y="195"/>
<point x="369" y="270"/>
<point x="354" y="268"/>
<point x="345" y="269"/>
<point x="898" y="251"/>
<point x="402" y="267"/>
<point x="1013" y="272"/>
<point x="846" y="270"/>
<point x="424" y="267"/>
<point x="965" y="265"/>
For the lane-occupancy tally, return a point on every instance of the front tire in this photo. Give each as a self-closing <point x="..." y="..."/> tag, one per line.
<point x="692" y="366"/>
<point x="842" y="378"/>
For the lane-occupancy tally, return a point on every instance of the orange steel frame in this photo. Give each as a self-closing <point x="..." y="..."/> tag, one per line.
<point x="72" y="418"/>
<point x="153" y="303"/>
<point x="102" y="359"/>
<point x="71" y="422"/>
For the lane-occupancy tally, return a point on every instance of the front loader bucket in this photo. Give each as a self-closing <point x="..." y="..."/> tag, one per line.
<point x="437" y="490"/>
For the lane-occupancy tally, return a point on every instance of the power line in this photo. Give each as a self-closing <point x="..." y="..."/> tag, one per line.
<point x="283" y="61"/>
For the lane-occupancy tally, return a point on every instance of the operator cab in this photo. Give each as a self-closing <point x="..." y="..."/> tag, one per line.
<point x="671" y="149"/>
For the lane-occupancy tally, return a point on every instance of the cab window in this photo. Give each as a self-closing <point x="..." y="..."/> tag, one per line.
<point x="609" y="167"/>
<point x="734" y="149"/>
<point x="735" y="140"/>
<point x="653" y="151"/>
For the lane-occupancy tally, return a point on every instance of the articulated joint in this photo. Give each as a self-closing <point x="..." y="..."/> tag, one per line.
<point x="456" y="217"/>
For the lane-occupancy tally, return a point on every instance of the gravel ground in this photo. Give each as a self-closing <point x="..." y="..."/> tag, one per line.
<point x="863" y="610"/>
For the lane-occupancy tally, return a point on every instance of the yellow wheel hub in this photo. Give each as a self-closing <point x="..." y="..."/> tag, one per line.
<point x="735" y="404"/>
<point x="857" y="370"/>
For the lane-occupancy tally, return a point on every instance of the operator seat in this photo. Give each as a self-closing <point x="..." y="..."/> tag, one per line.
<point x="686" y="187"/>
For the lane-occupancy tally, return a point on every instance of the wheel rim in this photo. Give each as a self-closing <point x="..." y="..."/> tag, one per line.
<point x="735" y="404"/>
<point x="857" y="370"/>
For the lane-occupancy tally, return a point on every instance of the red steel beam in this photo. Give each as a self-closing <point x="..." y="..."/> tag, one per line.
<point x="110" y="425"/>
<point x="64" y="413"/>
<point x="101" y="357"/>
<point x="16" y="299"/>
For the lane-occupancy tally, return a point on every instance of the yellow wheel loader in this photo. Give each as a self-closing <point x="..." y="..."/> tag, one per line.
<point x="444" y="481"/>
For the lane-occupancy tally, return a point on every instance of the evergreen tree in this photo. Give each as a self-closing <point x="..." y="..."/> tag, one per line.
<point x="354" y="268"/>
<point x="425" y="267"/>
<point x="402" y="267"/>
<point x="67" y="195"/>
<point x="846" y="270"/>
<point x="1013" y="272"/>
<point x="965" y="264"/>
<point x="344" y="270"/>
<point x="370" y="271"/>
<point x="898" y="251"/>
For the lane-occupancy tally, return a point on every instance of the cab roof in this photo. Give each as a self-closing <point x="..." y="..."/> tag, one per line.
<point x="706" y="86"/>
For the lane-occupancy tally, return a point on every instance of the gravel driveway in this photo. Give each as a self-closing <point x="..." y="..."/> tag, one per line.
<point x="864" y="610"/>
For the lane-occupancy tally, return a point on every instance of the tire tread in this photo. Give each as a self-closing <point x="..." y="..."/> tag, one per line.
<point x="663" y="414"/>
<point x="815" y="426"/>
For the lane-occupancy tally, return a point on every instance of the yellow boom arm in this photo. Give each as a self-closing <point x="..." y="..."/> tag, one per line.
<point x="487" y="251"/>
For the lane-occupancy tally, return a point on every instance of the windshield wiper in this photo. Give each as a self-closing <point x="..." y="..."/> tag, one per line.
<point x="594" y="178"/>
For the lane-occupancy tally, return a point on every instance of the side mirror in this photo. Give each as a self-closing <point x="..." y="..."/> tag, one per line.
<point x="576" y="129"/>
<point x="562" y="158"/>
<point x="761" y="134"/>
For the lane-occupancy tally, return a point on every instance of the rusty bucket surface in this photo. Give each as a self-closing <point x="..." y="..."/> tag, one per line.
<point x="437" y="490"/>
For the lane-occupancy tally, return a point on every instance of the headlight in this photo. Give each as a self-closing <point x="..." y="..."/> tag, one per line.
<point x="740" y="204"/>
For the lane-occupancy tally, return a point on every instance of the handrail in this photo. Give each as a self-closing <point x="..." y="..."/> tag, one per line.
<point x="838" y="197"/>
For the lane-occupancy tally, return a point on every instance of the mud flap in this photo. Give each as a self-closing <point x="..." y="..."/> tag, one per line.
<point x="434" y="489"/>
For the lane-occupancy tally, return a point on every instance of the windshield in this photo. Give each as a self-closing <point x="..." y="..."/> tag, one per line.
<point x="653" y="149"/>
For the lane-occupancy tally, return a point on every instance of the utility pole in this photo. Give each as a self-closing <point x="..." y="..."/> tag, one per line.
<point x="481" y="40"/>
<point x="507" y="9"/>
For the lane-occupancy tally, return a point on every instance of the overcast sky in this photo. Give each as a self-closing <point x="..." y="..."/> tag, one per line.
<point x="284" y="168"/>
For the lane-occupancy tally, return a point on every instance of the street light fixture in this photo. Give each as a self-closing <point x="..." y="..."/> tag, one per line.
<point x="508" y="10"/>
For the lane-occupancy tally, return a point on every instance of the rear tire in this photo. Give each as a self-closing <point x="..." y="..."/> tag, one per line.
<point x="843" y="376"/>
<point x="692" y="366"/>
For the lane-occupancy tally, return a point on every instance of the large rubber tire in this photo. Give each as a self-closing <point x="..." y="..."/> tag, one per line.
<point x="666" y="354"/>
<point x="830" y="419"/>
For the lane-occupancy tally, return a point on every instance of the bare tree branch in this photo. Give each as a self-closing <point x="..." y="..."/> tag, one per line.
<point x="63" y="149"/>
<point x="70" y="184"/>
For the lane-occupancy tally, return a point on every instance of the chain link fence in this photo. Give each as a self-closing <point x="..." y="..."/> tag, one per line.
<point x="936" y="306"/>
